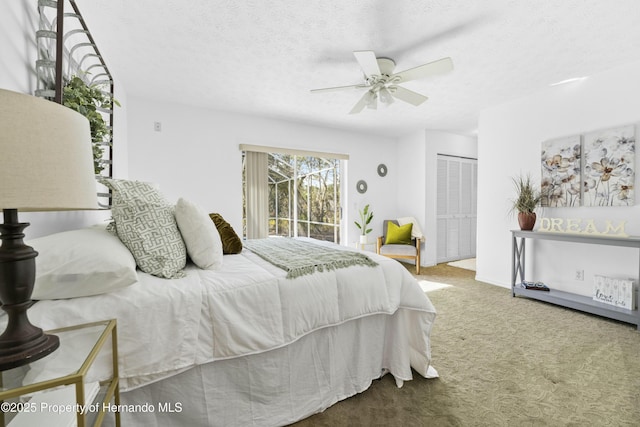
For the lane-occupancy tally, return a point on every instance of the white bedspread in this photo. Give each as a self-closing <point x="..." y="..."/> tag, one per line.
<point x="248" y="307"/>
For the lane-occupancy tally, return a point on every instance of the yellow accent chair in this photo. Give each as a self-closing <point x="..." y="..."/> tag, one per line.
<point x="396" y="242"/>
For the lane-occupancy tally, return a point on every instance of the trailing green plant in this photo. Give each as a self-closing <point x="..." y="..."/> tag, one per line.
<point x="86" y="100"/>
<point x="528" y="195"/>
<point x="366" y="216"/>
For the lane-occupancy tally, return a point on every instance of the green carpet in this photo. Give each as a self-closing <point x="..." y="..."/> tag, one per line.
<point x="507" y="361"/>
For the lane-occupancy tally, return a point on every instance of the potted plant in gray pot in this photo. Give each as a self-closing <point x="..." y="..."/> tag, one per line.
<point x="526" y="201"/>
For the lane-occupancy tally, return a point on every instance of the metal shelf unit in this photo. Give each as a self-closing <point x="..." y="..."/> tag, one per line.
<point x="66" y="48"/>
<point x="567" y="299"/>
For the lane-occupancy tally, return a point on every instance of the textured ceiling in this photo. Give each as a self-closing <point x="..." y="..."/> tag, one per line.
<point x="262" y="57"/>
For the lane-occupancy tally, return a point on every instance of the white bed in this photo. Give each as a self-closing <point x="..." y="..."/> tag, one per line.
<point x="244" y="345"/>
<point x="230" y="339"/>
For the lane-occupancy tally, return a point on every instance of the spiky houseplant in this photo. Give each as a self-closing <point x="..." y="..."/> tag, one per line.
<point x="527" y="199"/>
<point x="366" y="216"/>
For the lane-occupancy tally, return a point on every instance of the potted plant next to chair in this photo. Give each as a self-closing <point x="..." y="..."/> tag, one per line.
<point x="526" y="201"/>
<point x="366" y="216"/>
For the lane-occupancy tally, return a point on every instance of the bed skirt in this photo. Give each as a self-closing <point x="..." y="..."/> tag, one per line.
<point x="281" y="386"/>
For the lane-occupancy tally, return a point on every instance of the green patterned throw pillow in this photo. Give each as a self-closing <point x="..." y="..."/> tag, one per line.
<point x="145" y="223"/>
<point x="399" y="235"/>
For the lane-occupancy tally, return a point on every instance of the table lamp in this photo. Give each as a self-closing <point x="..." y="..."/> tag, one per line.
<point x="46" y="164"/>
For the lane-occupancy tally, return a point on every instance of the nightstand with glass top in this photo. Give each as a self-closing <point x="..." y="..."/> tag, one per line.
<point x="43" y="392"/>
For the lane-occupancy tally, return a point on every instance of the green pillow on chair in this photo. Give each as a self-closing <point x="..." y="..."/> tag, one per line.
<point x="398" y="235"/>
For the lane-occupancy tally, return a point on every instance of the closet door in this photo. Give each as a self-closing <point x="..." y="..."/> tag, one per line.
<point x="456" y="199"/>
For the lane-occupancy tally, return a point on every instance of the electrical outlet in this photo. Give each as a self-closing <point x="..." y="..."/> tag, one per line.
<point x="579" y="274"/>
<point x="157" y="126"/>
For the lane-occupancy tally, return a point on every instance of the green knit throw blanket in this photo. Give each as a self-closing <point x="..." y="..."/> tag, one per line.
<point x="298" y="257"/>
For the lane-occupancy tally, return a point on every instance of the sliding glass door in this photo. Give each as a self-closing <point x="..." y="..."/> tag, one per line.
<point x="304" y="196"/>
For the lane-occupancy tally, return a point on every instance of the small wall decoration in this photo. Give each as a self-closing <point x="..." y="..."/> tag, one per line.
<point x="560" y="183"/>
<point x="609" y="167"/>
<point x="361" y="186"/>
<point x="382" y="169"/>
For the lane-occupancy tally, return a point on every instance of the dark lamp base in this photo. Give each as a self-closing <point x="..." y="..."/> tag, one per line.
<point x="12" y="355"/>
<point x="21" y="343"/>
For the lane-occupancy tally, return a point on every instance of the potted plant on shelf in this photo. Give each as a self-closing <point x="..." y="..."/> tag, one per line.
<point x="366" y="216"/>
<point x="526" y="201"/>
<point x="88" y="101"/>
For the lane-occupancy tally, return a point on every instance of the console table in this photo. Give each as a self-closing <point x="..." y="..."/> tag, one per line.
<point x="567" y="299"/>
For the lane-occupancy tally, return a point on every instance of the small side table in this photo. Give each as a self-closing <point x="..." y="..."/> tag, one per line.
<point x="44" y="382"/>
<point x="369" y="246"/>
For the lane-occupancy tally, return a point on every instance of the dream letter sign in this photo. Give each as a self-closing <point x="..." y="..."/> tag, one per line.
<point x="580" y="226"/>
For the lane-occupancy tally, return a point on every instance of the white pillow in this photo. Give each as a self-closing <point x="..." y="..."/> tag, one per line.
<point x="200" y="235"/>
<point x="80" y="263"/>
<point x="416" y="232"/>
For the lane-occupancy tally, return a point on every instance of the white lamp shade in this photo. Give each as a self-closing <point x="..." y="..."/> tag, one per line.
<point x="46" y="157"/>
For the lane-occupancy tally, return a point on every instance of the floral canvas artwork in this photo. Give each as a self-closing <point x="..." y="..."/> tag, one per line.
<point x="560" y="181"/>
<point x="609" y="167"/>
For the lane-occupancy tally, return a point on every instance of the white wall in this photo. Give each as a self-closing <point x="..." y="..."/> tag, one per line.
<point x="412" y="174"/>
<point x="510" y="137"/>
<point x="18" y="25"/>
<point x="196" y="156"/>
<point x="411" y="198"/>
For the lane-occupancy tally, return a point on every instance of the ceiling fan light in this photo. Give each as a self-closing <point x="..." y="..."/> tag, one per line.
<point x="372" y="100"/>
<point x="385" y="96"/>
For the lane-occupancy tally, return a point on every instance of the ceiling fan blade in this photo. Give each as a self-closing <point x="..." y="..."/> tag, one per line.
<point x="440" y="66"/>
<point x="373" y="101"/>
<point x="368" y="62"/>
<point x="363" y="102"/>
<point x="338" y="88"/>
<point x="407" y="95"/>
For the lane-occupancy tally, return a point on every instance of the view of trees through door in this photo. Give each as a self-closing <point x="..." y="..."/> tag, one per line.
<point x="304" y="197"/>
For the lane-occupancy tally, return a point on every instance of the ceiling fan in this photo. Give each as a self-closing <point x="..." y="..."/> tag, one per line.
<point x="381" y="82"/>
